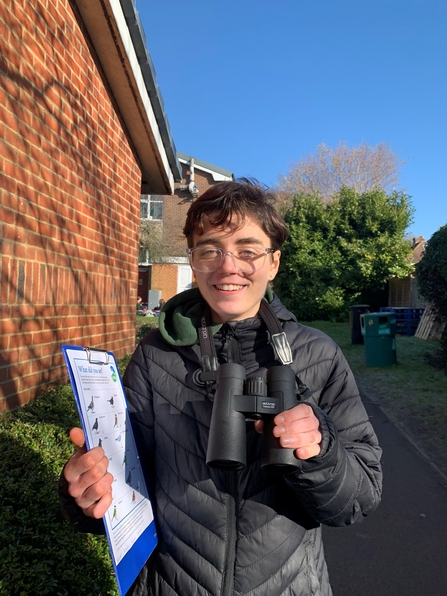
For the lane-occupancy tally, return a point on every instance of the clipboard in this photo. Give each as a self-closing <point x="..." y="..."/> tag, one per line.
<point x="103" y="411"/>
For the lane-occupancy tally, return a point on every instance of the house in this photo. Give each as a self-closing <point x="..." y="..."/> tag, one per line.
<point x="404" y="292"/>
<point x="169" y="273"/>
<point x="83" y="135"/>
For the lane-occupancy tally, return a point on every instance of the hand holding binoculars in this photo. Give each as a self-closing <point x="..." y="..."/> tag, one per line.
<point x="267" y="393"/>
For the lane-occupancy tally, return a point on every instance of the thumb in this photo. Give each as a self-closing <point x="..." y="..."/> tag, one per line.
<point x="78" y="439"/>
<point x="259" y="426"/>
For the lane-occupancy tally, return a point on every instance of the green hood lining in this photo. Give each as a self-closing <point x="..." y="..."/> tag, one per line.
<point x="180" y="317"/>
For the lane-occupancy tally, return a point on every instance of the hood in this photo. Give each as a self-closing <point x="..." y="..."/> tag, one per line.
<point x="180" y="316"/>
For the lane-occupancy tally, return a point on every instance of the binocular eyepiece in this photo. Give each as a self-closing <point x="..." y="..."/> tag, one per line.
<point x="267" y="393"/>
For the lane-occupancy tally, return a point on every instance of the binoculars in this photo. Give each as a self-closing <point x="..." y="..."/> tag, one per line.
<point x="267" y="393"/>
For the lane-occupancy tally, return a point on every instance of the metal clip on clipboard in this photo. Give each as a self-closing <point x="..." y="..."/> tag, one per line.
<point x="91" y="352"/>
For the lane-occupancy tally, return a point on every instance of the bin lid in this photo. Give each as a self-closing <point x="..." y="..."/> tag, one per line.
<point x="381" y="318"/>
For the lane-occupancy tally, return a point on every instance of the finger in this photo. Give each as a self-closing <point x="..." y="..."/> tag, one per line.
<point x="99" y="508"/>
<point x="295" y="427"/>
<point x="81" y="484"/>
<point x="95" y="492"/>
<point x="307" y="452"/>
<point x="80" y="463"/>
<point x="295" y="413"/>
<point x="296" y="441"/>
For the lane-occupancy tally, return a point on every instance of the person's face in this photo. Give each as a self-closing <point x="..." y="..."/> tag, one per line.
<point x="234" y="295"/>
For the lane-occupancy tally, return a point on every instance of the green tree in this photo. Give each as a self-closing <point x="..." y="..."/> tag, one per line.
<point x="152" y="245"/>
<point x="340" y="249"/>
<point x="432" y="279"/>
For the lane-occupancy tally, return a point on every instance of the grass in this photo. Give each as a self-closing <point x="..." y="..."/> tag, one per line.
<point x="412" y="392"/>
<point x="40" y="553"/>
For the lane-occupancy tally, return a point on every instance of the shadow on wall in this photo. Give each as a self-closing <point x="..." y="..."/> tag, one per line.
<point x="68" y="257"/>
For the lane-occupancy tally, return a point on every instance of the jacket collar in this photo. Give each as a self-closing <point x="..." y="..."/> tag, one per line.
<point x="180" y="317"/>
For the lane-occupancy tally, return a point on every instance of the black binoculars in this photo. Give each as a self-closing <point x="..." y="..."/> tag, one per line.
<point x="267" y="393"/>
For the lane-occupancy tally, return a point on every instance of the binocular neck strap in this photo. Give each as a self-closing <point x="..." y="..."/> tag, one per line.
<point x="208" y="354"/>
<point x="209" y="360"/>
<point x="281" y="344"/>
<point x="279" y="339"/>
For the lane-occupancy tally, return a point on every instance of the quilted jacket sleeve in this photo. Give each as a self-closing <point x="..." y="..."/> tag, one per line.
<point x="343" y="484"/>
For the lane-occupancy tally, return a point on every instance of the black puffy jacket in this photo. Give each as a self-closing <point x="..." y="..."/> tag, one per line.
<point x="244" y="532"/>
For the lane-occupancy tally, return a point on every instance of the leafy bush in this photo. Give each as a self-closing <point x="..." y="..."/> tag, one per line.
<point x="336" y="251"/>
<point x="40" y="553"/>
<point x="144" y="325"/>
<point x="432" y="281"/>
<point x="432" y="272"/>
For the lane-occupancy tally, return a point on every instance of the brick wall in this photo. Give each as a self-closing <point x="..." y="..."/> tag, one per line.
<point x="69" y="201"/>
<point x="164" y="278"/>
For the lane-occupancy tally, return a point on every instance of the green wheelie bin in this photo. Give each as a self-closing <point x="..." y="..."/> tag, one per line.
<point x="379" y="334"/>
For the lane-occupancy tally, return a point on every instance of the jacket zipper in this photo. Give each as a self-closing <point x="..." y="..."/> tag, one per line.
<point x="230" y="353"/>
<point x="230" y="554"/>
<point x="230" y="345"/>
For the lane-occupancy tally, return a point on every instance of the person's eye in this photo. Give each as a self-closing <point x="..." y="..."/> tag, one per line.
<point x="209" y="253"/>
<point x="246" y="254"/>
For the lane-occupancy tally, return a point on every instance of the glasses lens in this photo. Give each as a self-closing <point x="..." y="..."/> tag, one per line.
<point x="207" y="259"/>
<point x="249" y="259"/>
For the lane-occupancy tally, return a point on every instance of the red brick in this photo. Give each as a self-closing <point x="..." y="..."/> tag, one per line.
<point x="30" y="381"/>
<point x="18" y="341"/>
<point x="8" y="326"/>
<point x="7" y="389"/>
<point x="32" y="325"/>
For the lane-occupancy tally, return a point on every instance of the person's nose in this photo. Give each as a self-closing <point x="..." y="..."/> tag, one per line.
<point x="228" y="263"/>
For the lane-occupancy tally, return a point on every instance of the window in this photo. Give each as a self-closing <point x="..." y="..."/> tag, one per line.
<point x="143" y="256"/>
<point x="151" y="207"/>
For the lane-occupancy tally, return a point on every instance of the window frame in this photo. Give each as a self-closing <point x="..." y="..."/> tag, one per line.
<point x="154" y="203"/>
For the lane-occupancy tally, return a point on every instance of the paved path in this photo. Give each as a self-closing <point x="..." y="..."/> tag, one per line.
<point x="401" y="549"/>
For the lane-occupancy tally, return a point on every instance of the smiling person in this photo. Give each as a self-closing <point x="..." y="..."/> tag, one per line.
<point x="244" y="528"/>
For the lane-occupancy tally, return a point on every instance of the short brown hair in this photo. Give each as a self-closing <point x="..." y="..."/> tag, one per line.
<point x="241" y="198"/>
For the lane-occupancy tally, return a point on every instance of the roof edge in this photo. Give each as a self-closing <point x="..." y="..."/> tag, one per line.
<point x="203" y="165"/>
<point x="138" y="37"/>
<point x="146" y="124"/>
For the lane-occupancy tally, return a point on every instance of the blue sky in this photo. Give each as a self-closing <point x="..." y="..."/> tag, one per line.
<point x="254" y="85"/>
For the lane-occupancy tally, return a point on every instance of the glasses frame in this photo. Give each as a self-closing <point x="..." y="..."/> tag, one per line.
<point x="264" y="253"/>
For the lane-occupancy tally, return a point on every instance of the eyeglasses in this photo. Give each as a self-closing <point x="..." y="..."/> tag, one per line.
<point x="209" y="258"/>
